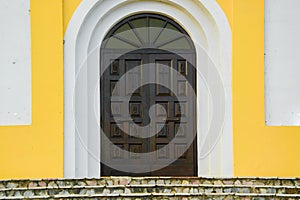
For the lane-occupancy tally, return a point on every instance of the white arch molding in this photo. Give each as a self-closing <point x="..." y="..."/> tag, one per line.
<point x="208" y="27"/>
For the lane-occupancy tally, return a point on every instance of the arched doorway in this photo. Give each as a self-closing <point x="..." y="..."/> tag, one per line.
<point x="206" y="24"/>
<point x="139" y="48"/>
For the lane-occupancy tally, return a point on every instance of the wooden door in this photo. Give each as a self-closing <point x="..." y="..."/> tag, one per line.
<point x="171" y="111"/>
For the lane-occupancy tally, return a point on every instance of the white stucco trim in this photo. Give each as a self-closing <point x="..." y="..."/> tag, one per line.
<point x="15" y="63"/>
<point x="208" y="27"/>
<point x="282" y="61"/>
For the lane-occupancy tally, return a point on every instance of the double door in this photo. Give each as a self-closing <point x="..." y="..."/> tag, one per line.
<point x="157" y="113"/>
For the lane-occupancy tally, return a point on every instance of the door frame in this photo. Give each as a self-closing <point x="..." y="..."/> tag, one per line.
<point x="211" y="32"/>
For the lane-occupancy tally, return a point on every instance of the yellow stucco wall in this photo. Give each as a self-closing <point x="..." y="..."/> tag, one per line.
<point x="258" y="150"/>
<point x="36" y="151"/>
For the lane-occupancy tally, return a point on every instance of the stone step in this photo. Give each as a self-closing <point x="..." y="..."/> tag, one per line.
<point x="215" y="196"/>
<point x="178" y="188"/>
<point x="150" y="181"/>
<point x="152" y="187"/>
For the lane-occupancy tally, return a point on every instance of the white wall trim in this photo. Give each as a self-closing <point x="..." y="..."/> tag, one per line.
<point x="282" y="61"/>
<point x="15" y="63"/>
<point x="208" y="27"/>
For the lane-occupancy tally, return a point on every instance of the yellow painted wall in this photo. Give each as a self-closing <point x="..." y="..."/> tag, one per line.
<point x="36" y="151"/>
<point x="258" y="150"/>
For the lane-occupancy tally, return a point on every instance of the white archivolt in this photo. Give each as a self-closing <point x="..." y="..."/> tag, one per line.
<point x="209" y="29"/>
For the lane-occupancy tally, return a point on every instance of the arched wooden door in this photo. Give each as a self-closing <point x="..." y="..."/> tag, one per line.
<point x="155" y="41"/>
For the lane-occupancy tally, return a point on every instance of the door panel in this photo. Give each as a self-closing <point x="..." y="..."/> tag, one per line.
<point x="176" y="119"/>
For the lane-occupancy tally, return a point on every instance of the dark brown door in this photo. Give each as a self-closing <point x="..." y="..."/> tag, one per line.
<point x="170" y="117"/>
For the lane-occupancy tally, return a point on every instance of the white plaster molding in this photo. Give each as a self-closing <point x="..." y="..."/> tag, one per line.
<point x="282" y="61"/>
<point x="15" y="63"/>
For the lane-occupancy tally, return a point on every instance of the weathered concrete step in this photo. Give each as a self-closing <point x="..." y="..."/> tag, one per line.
<point x="159" y="188"/>
<point x="215" y="196"/>
<point x="152" y="188"/>
<point x="149" y="181"/>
